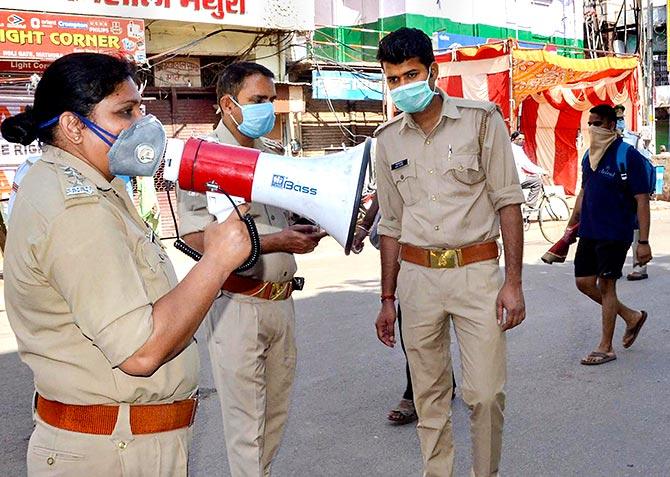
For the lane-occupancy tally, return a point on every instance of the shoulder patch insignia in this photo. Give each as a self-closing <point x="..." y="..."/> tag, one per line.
<point x="75" y="186"/>
<point x="76" y="180"/>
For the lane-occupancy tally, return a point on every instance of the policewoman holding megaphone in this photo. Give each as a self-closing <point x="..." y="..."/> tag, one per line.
<point x="90" y="292"/>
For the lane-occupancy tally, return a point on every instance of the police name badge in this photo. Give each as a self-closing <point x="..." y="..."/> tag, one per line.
<point x="399" y="164"/>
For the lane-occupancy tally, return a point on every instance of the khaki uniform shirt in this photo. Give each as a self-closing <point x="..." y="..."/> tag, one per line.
<point x="81" y="274"/>
<point x="194" y="217"/>
<point x="443" y="189"/>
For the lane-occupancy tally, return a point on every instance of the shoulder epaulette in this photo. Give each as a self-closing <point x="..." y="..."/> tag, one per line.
<point x="272" y="146"/>
<point x="393" y="120"/>
<point x="76" y="188"/>
<point x="487" y="106"/>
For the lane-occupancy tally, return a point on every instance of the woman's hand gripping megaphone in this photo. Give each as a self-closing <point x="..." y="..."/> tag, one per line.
<point x="228" y="242"/>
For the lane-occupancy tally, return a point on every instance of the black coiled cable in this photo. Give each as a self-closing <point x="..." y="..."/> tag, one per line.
<point x="254" y="237"/>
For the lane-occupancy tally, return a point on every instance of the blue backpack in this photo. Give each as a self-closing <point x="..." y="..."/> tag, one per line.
<point x="622" y="165"/>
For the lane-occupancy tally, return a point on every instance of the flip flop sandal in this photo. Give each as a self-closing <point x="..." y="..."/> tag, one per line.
<point x="634" y="331"/>
<point x="600" y="358"/>
<point x="403" y="414"/>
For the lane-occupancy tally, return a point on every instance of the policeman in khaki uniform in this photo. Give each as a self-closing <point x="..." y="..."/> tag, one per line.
<point x="90" y="292"/>
<point x="250" y="328"/>
<point x="447" y="184"/>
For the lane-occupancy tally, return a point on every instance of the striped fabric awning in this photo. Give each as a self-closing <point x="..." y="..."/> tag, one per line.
<point x="554" y="94"/>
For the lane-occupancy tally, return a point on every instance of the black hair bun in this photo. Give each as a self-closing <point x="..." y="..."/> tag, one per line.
<point x="20" y="128"/>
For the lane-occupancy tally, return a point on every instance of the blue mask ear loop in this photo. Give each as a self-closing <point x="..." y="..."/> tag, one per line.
<point x="241" y="109"/>
<point x="97" y="130"/>
<point x="48" y="123"/>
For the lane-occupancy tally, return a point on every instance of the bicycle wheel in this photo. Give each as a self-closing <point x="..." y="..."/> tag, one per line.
<point x="553" y="217"/>
<point x="525" y="215"/>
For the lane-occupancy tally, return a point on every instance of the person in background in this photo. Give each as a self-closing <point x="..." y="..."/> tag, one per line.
<point x="404" y="412"/>
<point x="20" y="173"/>
<point x="607" y="210"/>
<point x="530" y="174"/>
<point x="639" y="270"/>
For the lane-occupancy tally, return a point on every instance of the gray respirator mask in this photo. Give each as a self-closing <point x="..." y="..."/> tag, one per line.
<point x="138" y="150"/>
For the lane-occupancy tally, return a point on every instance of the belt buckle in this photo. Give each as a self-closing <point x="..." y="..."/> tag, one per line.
<point x="445" y="258"/>
<point x="279" y="290"/>
<point x="196" y="402"/>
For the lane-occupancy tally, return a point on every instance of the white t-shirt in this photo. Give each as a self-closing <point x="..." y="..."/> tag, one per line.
<point x="21" y="171"/>
<point x="524" y="166"/>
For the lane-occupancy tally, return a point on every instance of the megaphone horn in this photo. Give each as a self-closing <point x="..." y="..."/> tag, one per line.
<point x="326" y="189"/>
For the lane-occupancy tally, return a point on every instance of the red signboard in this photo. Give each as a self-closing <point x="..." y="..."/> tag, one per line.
<point x="43" y="36"/>
<point x="20" y="66"/>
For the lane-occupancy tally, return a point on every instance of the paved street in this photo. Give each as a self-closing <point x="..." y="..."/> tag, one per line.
<point x="563" y="419"/>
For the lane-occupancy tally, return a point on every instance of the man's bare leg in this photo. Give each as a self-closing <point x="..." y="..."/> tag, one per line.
<point x="610" y="305"/>
<point x="589" y="286"/>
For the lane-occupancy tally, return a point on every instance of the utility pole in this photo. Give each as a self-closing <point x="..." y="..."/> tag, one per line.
<point x="647" y="51"/>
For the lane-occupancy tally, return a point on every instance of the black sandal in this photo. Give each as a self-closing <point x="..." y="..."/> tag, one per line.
<point x="404" y="413"/>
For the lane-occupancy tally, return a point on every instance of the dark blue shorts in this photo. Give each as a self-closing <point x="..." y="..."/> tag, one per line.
<point x="602" y="258"/>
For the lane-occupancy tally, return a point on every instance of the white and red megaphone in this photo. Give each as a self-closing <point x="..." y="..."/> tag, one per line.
<point x="326" y="190"/>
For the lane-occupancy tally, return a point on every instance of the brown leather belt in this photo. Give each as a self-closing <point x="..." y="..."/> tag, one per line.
<point x="452" y="258"/>
<point x="258" y="288"/>
<point x="101" y="419"/>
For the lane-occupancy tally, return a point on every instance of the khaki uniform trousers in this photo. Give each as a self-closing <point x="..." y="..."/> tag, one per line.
<point x="429" y="298"/>
<point x="252" y="348"/>
<point x="55" y="452"/>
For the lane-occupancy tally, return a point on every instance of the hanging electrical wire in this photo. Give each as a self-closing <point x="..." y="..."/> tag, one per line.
<point x="345" y="130"/>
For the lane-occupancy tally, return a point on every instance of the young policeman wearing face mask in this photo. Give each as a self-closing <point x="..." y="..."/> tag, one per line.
<point x="447" y="185"/>
<point x="250" y="328"/>
<point x="606" y="210"/>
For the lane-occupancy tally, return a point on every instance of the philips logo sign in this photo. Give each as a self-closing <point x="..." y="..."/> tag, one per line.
<point x="282" y="182"/>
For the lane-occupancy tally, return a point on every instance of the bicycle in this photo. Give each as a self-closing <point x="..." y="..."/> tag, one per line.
<point x="551" y="212"/>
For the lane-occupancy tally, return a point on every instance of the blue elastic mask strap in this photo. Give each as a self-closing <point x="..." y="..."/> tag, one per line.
<point x="48" y="123"/>
<point x="98" y="131"/>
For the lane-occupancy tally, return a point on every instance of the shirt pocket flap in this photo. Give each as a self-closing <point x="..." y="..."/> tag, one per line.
<point x="405" y="180"/>
<point x="464" y="167"/>
<point x="402" y="173"/>
<point x="461" y="162"/>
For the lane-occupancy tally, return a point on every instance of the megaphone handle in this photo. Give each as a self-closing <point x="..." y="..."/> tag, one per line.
<point x="255" y="239"/>
<point x="183" y="247"/>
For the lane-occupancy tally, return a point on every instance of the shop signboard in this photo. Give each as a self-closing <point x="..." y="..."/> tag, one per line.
<point x="349" y="85"/>
<point x="281" y="14"/>
<point x="28" y="36"/>
<point x="179" y="71"/>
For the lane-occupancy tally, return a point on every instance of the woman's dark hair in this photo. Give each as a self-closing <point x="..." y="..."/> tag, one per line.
<point x="75" y="83"/>
<point x="404" y="44"/>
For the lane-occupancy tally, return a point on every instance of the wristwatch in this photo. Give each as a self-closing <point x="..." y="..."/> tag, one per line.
<point x="643" y="242"/>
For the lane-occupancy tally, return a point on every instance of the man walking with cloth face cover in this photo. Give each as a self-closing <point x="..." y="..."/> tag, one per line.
<point x="613" y="193"/>
<point x="447" y="185"/>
